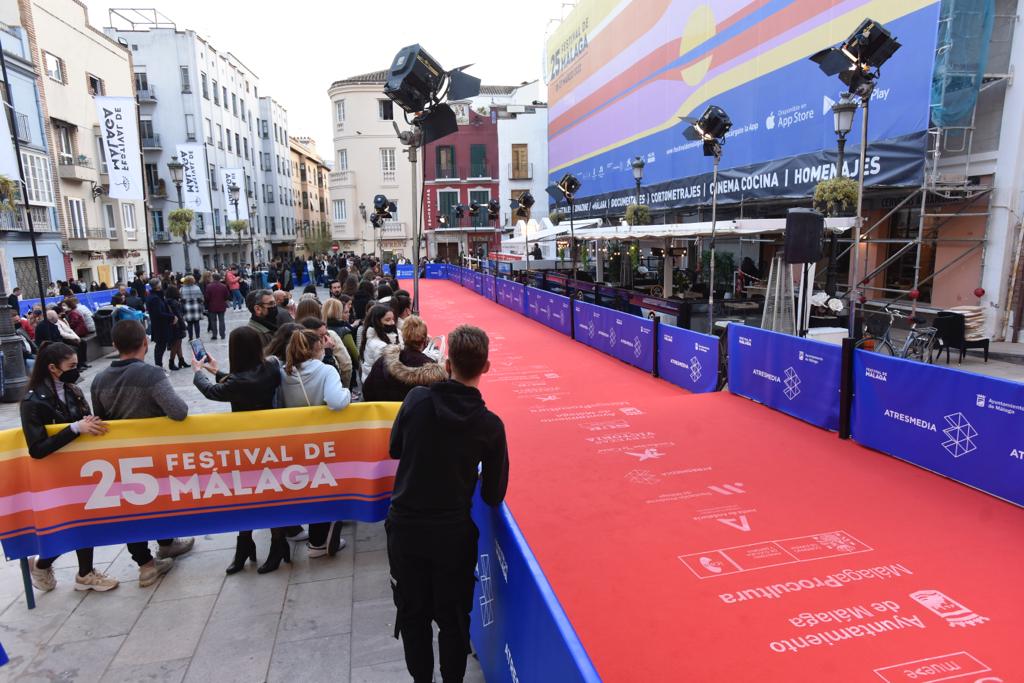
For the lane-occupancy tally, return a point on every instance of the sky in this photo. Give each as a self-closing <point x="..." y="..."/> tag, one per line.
<point x="299" y="47"/>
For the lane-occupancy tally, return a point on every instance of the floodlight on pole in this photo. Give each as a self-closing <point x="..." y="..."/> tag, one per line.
<point x="568" y="186"/>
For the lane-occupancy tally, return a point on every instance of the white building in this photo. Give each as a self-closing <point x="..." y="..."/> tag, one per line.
<point x="190" y="91"/>
<point x="522" y="150"/>
<point x="276" y="191"/>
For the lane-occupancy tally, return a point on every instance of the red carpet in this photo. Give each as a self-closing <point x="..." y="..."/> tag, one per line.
<point x="626" y="488"/>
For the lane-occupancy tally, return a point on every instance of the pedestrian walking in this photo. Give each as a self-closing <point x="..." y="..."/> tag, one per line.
<point x="217" y="296"/>
<point x="193" y="306"/>
<point x="161" y="321"/>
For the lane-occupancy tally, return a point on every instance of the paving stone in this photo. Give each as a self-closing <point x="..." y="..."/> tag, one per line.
<point x="316" y="659"/>
<point x="160" y="672"/>
<point x="373" y="631"/>
<point x="370" y="537"/>
<point x="82" y="661"/>
<point x="233" y="650"/>
<point x="316" y="609"/>
<point x="304" y="569"/>
<point x="372" y="576"/>
<point x="165" y="631"/>
<point x="100" y="615"/>
<point x="195" y="573"/>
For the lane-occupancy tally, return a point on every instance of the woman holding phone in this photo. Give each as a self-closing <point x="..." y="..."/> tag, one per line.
<point x="53" y="398"/>
<point x="251" y="385"/>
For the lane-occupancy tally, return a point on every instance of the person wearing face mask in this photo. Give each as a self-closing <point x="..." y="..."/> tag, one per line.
<point x="53" y="398"/>
<point x="380" y="332"/>
<point x="263" y="307"/>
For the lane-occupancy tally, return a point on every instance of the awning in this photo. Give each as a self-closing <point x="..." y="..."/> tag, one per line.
<point x="461" y="230"/>
<point x="553" y="232"/>
<point x="734" y="228"/>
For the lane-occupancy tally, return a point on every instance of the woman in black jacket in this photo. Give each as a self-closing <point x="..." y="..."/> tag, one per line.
<point x="251" y="385"/>
<point x="178" y="328"/>
<point x="360" y="302"/>
<point x="399" y="370"/>
<point x="53" y="398"/>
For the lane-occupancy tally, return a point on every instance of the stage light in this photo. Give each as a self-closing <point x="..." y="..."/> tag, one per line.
<point x="380" y="203"/>
<point x="569" y="185"/>
<point x="526" y="199"/>
<point x="442" y="220"/>
<point x="555" y="193"/>
<point x="415" y="79"/>
<point x="376" y="220"/>
<point x="857" y="60"/>
<point x="493" y="209"/>
<point x="460" y="211"/>
<point x="712" y="126"/>
<point x="474" y="208"/>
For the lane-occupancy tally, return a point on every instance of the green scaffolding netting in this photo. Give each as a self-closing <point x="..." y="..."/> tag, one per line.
<point x="965" y="28"/>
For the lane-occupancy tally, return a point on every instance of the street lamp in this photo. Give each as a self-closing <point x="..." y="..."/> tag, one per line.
<point x="568" y="186"/>
<point x="638" y="175"/>
<point x="234" y="191"/>
<point x="842" y="118"/>
<point x="252" y="244"/>
<point x="177" y="170"/>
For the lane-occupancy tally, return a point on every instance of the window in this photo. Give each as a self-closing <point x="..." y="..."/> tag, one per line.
<point x="54" y="67"/>
<point x="186" y="82"/>
<point x="387" y="164"/>
<point x="245" y="146"/>
<point x="446" y="201"/>
<point x="224" y="92"/>
<point x="238" y="145"/>
<point x="209" y="131"/>
<point x="101" y="155"/>
<point x="76" y="217"/>
<point x="229" y="138"/>
<point x="95" y="84"/>
<point x="190" y="127"/>
<point x="128" y="217"/>
<point x="158" y="221"/>
<point x="152" y="177"/>
<point x="385" y="110"/>
<point x="37" y="178"/>
<point x="141" y="81"/>
<point x="481" y="197"/>
<point x="64" y="144"/>
<point x="339" y="111"/>
<point x="200" y="224"/>
<point x="213" y="177"/>
<point x="202" y="80"/>
<point x="216" y="221"/>
<point x="146" y="128"/>
<point x="108" y="221"/>
<point x="220" y="136"/>
<point x="234" y="104"/>
<point x="342" y="159"/>
<point x="216" y="92"/>
<point x="520" y="163"/>
<point x="446" y="162"/>
<point x="340" y="210"/>
<point x="241" y="107"/>
<point x="478" y="162"/>
<point x="266" y="133"/>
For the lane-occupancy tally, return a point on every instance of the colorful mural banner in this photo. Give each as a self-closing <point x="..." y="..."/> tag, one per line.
<point x="621" y="74"/>
<point x="213" y="473"/>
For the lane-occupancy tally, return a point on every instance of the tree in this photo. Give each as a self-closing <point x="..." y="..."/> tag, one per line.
<point x="638" y="214"/>
<point x="238" y="227"/>
<point x="318" y="239"/>
<point x="180" y="226"/>
<point x="8" y="193"/>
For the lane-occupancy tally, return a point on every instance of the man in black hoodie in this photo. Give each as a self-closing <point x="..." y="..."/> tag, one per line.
<point x="442" y="434"/>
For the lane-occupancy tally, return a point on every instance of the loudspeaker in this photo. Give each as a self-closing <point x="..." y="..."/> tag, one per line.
<point x="804" y="229"/>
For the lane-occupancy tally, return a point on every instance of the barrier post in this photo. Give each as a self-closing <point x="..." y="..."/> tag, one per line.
<point x="26" y="578"/>
<point x="846" y="388"/>
<point x="572" y="318"/>
<point x="657" y="323"/>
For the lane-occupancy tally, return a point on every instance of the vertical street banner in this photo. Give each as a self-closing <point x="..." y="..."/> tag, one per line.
<point x="8" y="159"/>
<point x="229" y="177"/>
<point x="195" y="188"/>
<point x="119" y="131"/>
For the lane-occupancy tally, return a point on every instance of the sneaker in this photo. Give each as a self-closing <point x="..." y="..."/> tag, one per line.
<point x="43" y="579"/>
<point x="321" y="550"/>
<point x="180" y="546"/>
<point x="296" y="534"/>
<point x="95" y="581"/>
<point x="153" y="570"/>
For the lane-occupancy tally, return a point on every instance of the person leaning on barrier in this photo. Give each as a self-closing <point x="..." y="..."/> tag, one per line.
<point x="399" y="370"/>
<point x="377" y="332"/>
<point x="334" y="353"/>
<point x="251" y="385"/>
<point x="442" y="437"/>
<point x="131" y="388"/>
<point x="53" y="398"/>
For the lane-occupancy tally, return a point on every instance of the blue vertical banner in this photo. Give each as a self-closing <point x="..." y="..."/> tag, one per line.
<point x="688" y="359"/>
<point x="519" y="629"/>
<point x="790" y="374"/>
<point x="621" y="335"/>
<point x="550" y="309"/>
<point x="964" y="426"/>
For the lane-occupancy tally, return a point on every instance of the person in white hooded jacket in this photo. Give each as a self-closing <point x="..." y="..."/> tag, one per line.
<point x="307" y="381"/>
<point x="380" y="332"/>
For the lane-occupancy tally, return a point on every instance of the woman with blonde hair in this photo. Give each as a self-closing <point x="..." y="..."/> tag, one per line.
<point x="336" y="313"/>
<point x="399" y="370"/>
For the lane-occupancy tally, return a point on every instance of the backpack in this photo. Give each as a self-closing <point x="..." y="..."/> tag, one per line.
<point x="128" y="313"/>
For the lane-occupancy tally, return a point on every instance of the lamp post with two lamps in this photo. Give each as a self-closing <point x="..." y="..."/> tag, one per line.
<point x="842" y="118"/>
<point x="235" y="192"/>
<point x="177" y="170"/>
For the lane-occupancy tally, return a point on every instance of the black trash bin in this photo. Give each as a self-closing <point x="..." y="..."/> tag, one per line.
<point x="104" y="319"/>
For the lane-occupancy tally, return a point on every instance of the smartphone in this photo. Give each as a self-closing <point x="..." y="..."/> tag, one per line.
<point x="198" y="350"/>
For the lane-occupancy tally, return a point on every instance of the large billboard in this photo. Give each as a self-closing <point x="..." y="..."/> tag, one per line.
<point x="621" y="74"/>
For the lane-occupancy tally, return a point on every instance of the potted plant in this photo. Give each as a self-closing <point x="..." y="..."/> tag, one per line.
<point x="725" y="268"/>
<point x="825" y="310"/>
<point x="638" y="214"/>
<point x="180" y="224"/>
<point x="8" y="193"/>
<point x="836" y="196"/>
<point x="556" y="217"/>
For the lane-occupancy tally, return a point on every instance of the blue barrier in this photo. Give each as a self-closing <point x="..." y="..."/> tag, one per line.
<point x="626" y="337"/>
<point x="94" y="300"/>
<point x="490" y="287"/>
<point x="688" y="359"/>
<point x="478" y="283"/>
<point x="511" y="295"/>
<point x="436" y="271"/>
<point x="404" y="271"/>
<point x="791" y="374"/>
<point x="519" y="630"/>
<point x="550" y="309"/>
<point x="967" y="427"/>
<point x="3" y="656"/>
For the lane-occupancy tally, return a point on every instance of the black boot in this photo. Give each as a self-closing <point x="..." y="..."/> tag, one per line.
<point x="280" y="549"/>
<point x="245" y="549"/>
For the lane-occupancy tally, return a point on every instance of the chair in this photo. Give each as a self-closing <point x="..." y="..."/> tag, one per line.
<point x="951" y="329"/>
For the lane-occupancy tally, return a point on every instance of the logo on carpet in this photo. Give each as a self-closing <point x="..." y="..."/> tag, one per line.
<point x="792" y="384"/>
<point x="642" y="477"/>
<point x="646" y="454"/>
<point x="728" y="489"/>
<point x="960" y="435"/>
<point x="955" y="613"/>
<point x="630" y="410"/>
<point x="695" y="369"/>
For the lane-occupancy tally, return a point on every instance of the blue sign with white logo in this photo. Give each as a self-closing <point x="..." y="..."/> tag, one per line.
<point x="550" y="309"/>
<point x="791" y="374"/>
<point x="490" y="287"/>
<point x="511" y="295"/>
<point x="621" y="335"/>
<point x="688" y="359"/>
<point x="436" y="271"/>
<point x="478" y="283"/>
<point x="404" y="271"/>
<point x="963" y="426"/>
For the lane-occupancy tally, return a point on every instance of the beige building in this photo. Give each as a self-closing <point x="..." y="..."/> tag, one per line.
<point x="368" y="160"/>
<point x="106" y="238"/>
<point x="309" y="190"/>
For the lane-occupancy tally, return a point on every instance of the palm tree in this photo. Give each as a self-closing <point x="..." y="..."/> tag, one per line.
<point x="181" y="226"/>
<point x="238" y="226"/>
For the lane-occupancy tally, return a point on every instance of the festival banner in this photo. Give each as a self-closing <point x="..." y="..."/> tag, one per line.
<point x="791" y="374"/>
<point x="688" y="359"/>
<point x="213" y="473"/>
<point x="195" y="188"/>
<point x="550" y="309"/>
<point x="119" y="131"/>
<point x="958" y="424"/>
<point x="229" y="177"/>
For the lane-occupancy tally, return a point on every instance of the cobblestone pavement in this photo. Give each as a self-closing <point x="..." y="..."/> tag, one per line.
<point x="326" y="619"/>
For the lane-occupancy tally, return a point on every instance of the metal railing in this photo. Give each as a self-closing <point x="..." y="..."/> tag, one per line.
<point x="147" y="94"/>
<point x="151" y="142"/>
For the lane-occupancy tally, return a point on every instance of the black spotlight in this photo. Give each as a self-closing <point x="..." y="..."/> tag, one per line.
<point x="460" y="211"/>
<point x="554" y="192"/>
<point x="857" y="59"/>
<point x="376" y="220"/>
<point x="474" y="209"/>
<point x="493" y="209"/>
<point x="569" y="186"/>
<point x="711" y="128"/>
<point x="442" y="220"/>
<point x="380" y="203"/>
<point x="526" y="199"/>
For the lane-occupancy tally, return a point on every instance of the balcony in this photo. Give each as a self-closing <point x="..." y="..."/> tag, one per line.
<point x="392" y="229"/>
<point x="151" y="142"/>
<point x="444" y="172"/>
<point x="147" y="94"/>
<point x="158" y="190"/>
<point x="342" y="178"/>
<point x="483" y="170"/>
<point x="91" y="239"/>
<point x="161" y="237"/>
<point x="520" y="171"/>
<point x="76" y="170"/>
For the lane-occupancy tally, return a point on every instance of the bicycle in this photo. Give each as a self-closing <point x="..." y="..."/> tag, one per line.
<point x="919" y="344"/>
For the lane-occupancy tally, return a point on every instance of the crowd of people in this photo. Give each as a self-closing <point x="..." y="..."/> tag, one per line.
<point x="361" y="343"/>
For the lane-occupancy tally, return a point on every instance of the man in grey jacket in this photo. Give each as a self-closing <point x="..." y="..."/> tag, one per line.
<point x="130" y="388"/>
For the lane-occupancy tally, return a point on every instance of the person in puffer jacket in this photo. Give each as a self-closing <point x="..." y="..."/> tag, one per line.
<point x="399" y="370"/>
<point x="380" y="331"/>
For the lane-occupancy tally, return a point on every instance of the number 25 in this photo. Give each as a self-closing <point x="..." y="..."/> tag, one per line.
<point x="101" y="497"/>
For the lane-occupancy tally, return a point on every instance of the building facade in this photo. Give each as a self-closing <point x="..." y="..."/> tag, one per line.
<point x="522" y="152"/>
<point x="39" y="203"/>
<point x="310" y="197"/>
<point x="368" y="160"/>
<point x="106" y="238"/>
<point x="189" y="91"/>
<point x="276" y="193"/>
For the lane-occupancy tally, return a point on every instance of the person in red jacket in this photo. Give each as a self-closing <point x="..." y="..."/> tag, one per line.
<point x="235" y="286"/>
<point x="217" y="296"/>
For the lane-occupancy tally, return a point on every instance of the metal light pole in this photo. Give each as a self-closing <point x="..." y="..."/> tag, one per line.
<point x="252" y="242"/>
<point x="235" y="191"/>
<point x="855" y="292"/>
<point x="638" y="175"/>
<point x="714" y="225"/>
<point x="177" y="170"/>
<point x="842" y="115"/>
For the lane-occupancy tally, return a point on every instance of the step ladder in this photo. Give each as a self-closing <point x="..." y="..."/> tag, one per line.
<point x="779" y="314"/>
